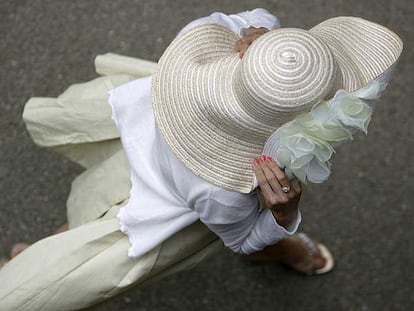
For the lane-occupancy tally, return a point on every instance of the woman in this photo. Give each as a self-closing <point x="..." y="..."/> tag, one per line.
<point x="160" y="212"/>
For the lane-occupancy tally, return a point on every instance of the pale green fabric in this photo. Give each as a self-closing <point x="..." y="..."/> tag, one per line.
<point x="89" y="263"/>
<point x="110" y="63"/>
<point x="80" y="115"/>
<point x="101" y="186"/>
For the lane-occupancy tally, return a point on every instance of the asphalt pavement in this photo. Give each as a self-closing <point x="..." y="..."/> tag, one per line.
<point x="364" y="212"/>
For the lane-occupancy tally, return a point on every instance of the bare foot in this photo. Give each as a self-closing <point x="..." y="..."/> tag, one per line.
<point x="20" y="247"/>
<point x="307" y="256"/>
<point x="3" y="262"/>
<point x="62" y="228"/>
<point x="17" y="249"/>
<point x="298" y="252"/>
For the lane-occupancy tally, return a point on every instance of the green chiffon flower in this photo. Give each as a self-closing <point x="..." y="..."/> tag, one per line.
<point x="350" y="110"/>
<point x="304" y="146"/>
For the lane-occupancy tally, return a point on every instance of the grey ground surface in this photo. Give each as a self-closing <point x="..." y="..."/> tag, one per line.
<point x="364" y="212"/>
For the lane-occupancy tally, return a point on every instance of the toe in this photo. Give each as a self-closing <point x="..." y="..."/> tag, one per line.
<point x="3" y="262"/>
<point x="318" y="261"/>
<point x="17" y="249"/>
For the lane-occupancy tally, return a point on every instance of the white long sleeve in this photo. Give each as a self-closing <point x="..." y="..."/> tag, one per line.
<point x="166" y="196"/>
<point x="240" y="223"/>
<point x="238" y="23"/>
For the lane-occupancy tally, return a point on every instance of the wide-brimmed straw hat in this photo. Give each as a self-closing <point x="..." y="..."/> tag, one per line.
<point x="216" y="111"/>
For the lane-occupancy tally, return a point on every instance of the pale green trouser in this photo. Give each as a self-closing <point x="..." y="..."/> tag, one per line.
<point x="89" y="263"/>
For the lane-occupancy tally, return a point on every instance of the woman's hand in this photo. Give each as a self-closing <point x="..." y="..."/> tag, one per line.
<point x="275" y="191"/>
<point x="251" y="34"/>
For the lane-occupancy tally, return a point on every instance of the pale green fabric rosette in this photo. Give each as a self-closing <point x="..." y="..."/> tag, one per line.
<point x="304" y="146"/>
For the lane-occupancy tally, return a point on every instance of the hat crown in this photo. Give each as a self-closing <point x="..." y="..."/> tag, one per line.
<point x="217" y="112"/>
<point x="284" y="73"/>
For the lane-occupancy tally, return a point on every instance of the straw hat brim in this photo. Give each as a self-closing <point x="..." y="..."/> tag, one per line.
<point x="363" y="50"/>
<point x="198" y="112"/>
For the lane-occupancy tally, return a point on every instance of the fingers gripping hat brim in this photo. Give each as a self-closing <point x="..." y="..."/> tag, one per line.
<point x="202" y="119"/>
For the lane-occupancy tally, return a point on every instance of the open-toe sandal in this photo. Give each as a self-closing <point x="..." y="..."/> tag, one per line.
<point x="314" y="248"/>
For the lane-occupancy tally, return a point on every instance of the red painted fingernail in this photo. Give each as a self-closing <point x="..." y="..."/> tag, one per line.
<point x="255" y="162"/>
<point x="269" y="159"/>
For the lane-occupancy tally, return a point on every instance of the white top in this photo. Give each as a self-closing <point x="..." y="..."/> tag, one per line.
<point x="166" y="196"/>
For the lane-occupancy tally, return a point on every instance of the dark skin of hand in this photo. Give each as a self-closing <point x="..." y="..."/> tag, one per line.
<point x="272" y="180"/>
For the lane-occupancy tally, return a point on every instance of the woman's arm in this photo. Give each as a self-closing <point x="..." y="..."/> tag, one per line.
<point x="244" y="225"/>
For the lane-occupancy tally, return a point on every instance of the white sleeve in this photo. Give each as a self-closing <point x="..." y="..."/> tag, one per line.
<point x="242" y="225"/>
<point x="238" y="23"/>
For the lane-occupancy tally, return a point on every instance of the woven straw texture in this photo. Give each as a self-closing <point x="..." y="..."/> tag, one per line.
<point x="216" y="111"/>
